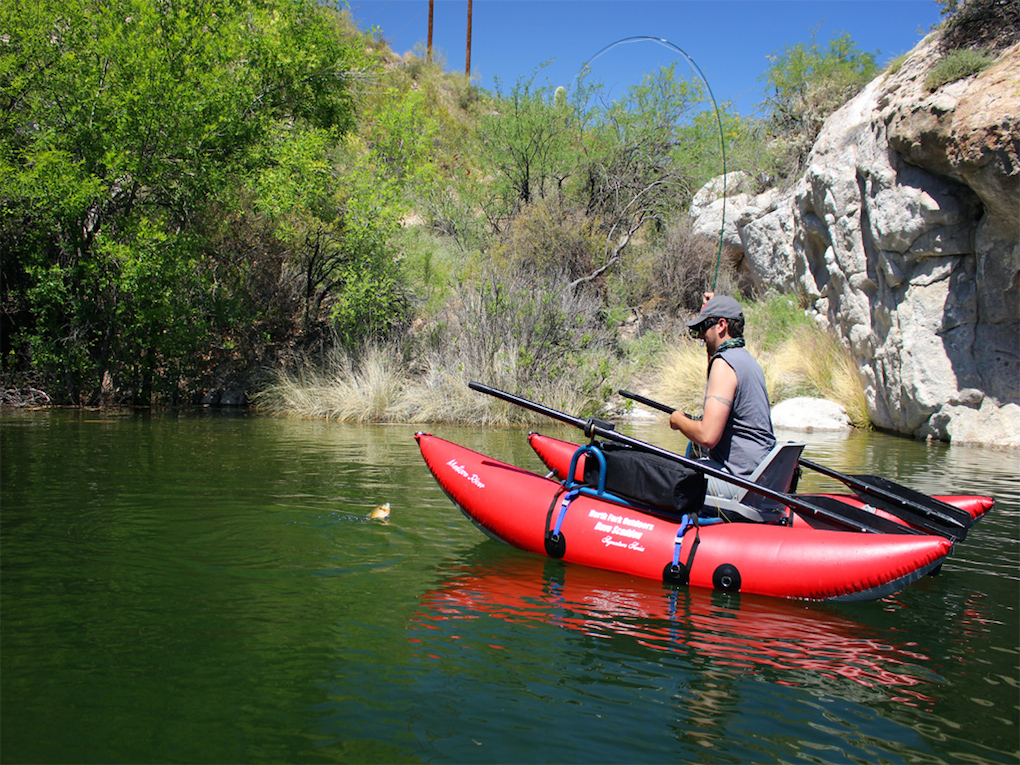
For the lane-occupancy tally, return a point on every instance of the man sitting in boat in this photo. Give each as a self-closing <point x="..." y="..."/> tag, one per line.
<point x="736" y="426"/>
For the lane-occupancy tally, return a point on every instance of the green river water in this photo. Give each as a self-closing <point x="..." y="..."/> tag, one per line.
<point x="203" y="588"/>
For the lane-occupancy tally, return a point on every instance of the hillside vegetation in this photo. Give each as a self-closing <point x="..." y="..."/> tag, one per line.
<point x="203" y="193"/>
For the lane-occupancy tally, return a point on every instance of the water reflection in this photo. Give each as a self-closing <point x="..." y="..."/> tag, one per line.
<point x="789" y="643"/>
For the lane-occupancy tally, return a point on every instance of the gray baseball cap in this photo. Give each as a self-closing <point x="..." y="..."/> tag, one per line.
<point x="719" y="307"/>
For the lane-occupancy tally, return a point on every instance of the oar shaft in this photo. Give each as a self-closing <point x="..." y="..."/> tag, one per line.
<point x="577" y="422"/>
<point x="593" y="427"/>
<point x="934" y="510"/>
<point x="849" y="480"/>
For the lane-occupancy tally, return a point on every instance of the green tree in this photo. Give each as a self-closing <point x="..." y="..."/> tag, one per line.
<point x="527" y="143"/>
<point x="336" y="206"/>
<point x="629" y="166"/>
<point x="701" y="155"/>
<point x="808" y="83"/>
<point x="126" y="128"/>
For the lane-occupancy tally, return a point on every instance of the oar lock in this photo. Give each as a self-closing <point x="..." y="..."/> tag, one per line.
<point x="594" y="424"/>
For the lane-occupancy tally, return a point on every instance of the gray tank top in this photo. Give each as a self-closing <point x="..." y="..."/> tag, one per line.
<point x="748" y="436"/>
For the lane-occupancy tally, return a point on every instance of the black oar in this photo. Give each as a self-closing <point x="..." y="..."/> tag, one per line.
<point x="822" y="507"/>
<point x="927" y="512"/>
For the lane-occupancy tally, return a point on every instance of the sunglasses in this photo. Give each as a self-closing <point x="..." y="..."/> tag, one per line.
<point x="698" y="330"/>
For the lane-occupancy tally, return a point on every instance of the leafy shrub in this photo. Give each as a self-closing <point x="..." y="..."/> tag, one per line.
<point x="956" y="65"/>
<point x="447" y="209"/>
<point x="432" y="264"/>
<point x="526" y="337"/>
<point x="526" y="144"/>
<point x="671" y="276"/>
<point x="421" y="67"/>
<point x="548" y="238"/>
<point x="773" y="320"/>
<point x="809" y="83"/>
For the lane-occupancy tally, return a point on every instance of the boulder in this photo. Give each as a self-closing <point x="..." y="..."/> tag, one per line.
<point x="809" y="415"/>
<point x="988" y="423"/>
<point x="232" y="394"/>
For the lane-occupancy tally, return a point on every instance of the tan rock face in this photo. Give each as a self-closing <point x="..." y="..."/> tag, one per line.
<point x="969" y="130"/>
<point x="904" y="232"/>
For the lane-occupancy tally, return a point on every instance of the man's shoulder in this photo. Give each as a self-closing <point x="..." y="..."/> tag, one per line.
<point x="726" y="369"/>
<point x="734" y="355"/>
<point x="740" y="360"/>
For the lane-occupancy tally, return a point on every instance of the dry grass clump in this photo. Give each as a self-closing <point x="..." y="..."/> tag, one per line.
<point x="377" y="386"/>
<point x="348" y="387"/>
<point x="681" y="377"/>
<point x="439" y="394"/>
<point x="814" y="362"/>
<point x="550" y="346"/>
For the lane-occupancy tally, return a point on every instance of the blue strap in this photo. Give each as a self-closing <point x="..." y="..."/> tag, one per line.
<point x="567" y="499"/>
<point x="685" y="524"/>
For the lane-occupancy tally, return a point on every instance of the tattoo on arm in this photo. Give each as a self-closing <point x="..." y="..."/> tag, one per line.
<point x="725" y="401"/>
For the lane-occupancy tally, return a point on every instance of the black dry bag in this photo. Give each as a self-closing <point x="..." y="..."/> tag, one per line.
<point x="648" y="479"/>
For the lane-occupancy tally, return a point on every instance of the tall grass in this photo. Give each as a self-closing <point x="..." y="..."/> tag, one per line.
<point x="552" y="346"/>
<point x="425" y="379"/>
<point x="814" y="362"/>
<point x="360" y="387"/>
<point x="378" y="386"/>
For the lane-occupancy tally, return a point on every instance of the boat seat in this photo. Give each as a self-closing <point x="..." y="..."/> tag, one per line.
<point x="775" y="472"/>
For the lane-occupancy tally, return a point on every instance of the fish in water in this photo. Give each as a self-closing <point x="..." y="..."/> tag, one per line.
<point x="381" y="513"/>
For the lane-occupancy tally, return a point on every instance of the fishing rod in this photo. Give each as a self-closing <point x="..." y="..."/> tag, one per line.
<point x="718" y="118"/>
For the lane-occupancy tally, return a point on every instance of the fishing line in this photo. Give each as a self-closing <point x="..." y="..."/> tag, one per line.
<point x="718" y="119"/>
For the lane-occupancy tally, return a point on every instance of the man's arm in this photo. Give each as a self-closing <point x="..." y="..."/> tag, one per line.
<point x="719" y="395"/>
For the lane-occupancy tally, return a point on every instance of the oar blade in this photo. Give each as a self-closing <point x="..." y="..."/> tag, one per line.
<point x="952" y="532"/>
<point x="911" y="501"/>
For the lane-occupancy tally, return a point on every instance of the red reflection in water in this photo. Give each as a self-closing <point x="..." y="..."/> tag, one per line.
<point x="795" y="644"/>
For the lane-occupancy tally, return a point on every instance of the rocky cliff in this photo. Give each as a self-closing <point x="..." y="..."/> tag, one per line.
<point x="904" y="235"/>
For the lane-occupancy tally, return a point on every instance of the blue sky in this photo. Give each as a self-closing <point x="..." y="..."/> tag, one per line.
<point x="728" y="39"/>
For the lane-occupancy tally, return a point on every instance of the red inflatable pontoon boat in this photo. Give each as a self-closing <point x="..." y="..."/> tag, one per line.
<point x="540" y="515"/>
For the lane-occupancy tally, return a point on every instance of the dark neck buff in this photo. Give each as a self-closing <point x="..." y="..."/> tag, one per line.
<point x="733" y="342"/>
